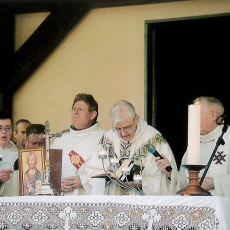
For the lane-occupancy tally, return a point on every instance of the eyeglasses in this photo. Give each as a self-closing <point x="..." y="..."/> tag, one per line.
<point x="7" y="129"/>
<point x="80" y="109"/>
<point x="126" y="128"/>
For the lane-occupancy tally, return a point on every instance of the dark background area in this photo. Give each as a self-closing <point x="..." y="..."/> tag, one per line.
<point x="191" y="59"/>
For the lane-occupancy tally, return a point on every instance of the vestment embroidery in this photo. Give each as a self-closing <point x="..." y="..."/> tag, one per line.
<point x="218" y="158"/>
<point x="108" y="146"/>
<point x="125" y="149"/>
<point x="160" y="139"/>
<point x="76" y="159"/>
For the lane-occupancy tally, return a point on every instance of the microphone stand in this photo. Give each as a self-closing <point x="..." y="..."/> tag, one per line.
<point x="219" y="142"/>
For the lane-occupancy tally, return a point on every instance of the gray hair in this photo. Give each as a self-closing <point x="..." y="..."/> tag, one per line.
<point x="20" y="121"/>
<point x="118" y="110"/>
<point x="212" y="102"/>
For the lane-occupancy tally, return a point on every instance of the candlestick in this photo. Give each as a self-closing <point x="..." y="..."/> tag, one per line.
<point x="137" y="179"/>
<point x="193" y="188"/>
<point x="114" y="161"/>
<point x="126" y="171"/>
<point x="193" y="155"/>
<point x="102" y="153"/>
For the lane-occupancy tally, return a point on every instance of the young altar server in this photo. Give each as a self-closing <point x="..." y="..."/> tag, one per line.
<point x="9" y="179"/>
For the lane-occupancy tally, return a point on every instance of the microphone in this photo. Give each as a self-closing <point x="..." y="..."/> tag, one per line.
<point x="223" y="116"/>
<point x="153" y="150"/>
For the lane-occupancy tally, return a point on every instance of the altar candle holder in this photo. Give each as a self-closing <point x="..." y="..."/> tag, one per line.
<point x="45" y="189"/>
<point x="114" y="161"/>
<point x="102" y="154"/>
<point x="193" y="188"/>
<point x="126" y="171"/>
<point x="137" y="179"/>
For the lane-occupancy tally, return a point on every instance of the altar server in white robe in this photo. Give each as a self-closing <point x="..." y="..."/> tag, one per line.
<point x="127" y="140"/>
<point x="80" y="147"/>
<point x="217" y="179"/>
<point x="9" y="179"/>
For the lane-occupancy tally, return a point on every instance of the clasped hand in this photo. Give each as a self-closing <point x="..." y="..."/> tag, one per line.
<point x="68" y="184"/>
<point x="5" y="174"/>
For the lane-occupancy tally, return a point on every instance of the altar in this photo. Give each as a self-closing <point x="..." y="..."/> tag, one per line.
<point x="115" y="212"/>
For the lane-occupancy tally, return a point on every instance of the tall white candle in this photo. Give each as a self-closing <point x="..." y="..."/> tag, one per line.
<point x="193" y="157"/>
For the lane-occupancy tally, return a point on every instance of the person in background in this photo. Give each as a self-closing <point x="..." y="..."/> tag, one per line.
<point x="9" y="181"/>
<point x="127" y="140"/>
<point x="80" y="146"/>
<point x="217" y="179"/>
<point x="31" y="141"/>
<point x="20" y="132"/>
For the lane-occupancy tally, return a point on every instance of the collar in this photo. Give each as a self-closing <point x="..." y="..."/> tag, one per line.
<point x="10" y="146"/>
<point x="213" y="135"/>
<point x="77" y="133"/>
<point x="72" y="127"/>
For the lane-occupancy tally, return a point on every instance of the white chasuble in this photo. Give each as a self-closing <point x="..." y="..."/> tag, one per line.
<point x="153" y="181"/>
<point x="79" y="148"/>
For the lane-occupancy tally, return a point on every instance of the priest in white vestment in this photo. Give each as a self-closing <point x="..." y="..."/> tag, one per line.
<point x="217" y="179"/>
<point x="80" y="147"/>
<point x="127" y="141"/>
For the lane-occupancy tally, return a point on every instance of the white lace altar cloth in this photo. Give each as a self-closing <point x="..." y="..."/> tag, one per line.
<point x="112" y="212"/>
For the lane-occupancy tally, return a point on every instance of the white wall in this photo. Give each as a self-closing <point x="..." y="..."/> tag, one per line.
<point x="103" y="55"/>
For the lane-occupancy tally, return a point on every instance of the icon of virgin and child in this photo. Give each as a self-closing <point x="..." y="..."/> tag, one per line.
<point x="32" y="177"/>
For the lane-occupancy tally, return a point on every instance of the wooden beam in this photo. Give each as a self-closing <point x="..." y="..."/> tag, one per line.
<point x="63" y="17"/>
<point x="42" y="42"/>
<point x="6" y="57"/>
<point x="117" y="3"/>
<point x="29" y="6"/>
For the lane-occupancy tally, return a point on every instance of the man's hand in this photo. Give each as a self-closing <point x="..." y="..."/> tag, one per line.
<point x="162" y="164"/>
<point x="109" y="170"/>
<point x="133" y="184"/>
<point x="207" y="183"/>
<point x="5" y="174"/>
<point x="68" y="184"/>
